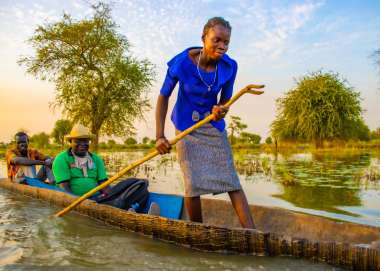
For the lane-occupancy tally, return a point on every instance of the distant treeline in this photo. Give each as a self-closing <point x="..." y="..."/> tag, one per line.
<point x="237" y="135"/>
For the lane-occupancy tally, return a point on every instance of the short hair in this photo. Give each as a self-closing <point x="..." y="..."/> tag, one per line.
<point x="213" y="22"/>
<point x="18" y="134"/>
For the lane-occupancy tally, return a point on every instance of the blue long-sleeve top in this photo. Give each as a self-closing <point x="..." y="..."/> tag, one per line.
<point x="194" y="101"/>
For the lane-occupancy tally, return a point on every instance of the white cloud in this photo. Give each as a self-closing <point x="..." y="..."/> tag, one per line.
<point x="156" y="29"/>
<point x="277" y="25"/>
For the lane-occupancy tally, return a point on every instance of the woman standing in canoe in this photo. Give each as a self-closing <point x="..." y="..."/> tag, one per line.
<point x="204" y="155"/>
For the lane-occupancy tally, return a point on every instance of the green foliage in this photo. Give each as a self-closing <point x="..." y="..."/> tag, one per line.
<point x="321" y="106"/>
<point x="3" y="145"/>
<point x="268" y="140"/>
<point x="40" y="140"/>
<point x="62" y="127"/>
<point x="236" y="126"/>
<point x="249" y="138"/>
<point x="130" y="141"/>
<point x="98" y="82"/>
<point x="375" y="134"/>
<point x="102" y="145"/>
<point x="146" y="140"/>
<point x="111" y="143"/>
<point x="357" y="130"/>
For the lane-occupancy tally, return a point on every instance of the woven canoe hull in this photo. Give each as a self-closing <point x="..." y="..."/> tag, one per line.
<point x="207" y="237"/>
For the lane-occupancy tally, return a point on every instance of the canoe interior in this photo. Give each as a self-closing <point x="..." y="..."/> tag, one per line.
<point x="290" y="223"/>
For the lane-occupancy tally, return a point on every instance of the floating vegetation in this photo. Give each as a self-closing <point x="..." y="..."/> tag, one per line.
<point x="284" y="175"/>
<point x="266" y="166"/>
<point x="372" y="173"/>
<point x="116" y="161"/>
<point x="254" y="165"/>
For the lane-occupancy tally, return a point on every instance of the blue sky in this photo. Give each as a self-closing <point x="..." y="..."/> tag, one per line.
<point x="274" y="42"/>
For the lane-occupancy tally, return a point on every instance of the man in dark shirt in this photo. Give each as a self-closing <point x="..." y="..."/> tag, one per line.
<point x="22" y="162"/>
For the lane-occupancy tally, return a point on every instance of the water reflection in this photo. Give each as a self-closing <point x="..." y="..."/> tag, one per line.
<point x="325" y="198"/>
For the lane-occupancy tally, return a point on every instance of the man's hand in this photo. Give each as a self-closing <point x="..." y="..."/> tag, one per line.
<point x="163" y="145"/>
<point x="106" y="191"/>
<point x="219" y="112"/>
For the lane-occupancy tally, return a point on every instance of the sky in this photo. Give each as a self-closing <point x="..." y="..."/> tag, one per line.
<point x="274" y="43"/>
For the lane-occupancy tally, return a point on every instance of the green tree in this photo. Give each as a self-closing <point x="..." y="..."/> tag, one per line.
<point x="146" y="140"/>
<point x="321" y="106"/>
<point x="356" y="130"/>
<point x="61" y="128"/>
<point x="268" y="140"/>
<point x="102" y="145"/>
<point x="130" y="141"/>
<point x="111" y="143"/>
<point x="250" y="138"/>
<point x="40" y="140"/>
<point x="98" y="82"/>
<point x="236" y="126"/>
<point x="375" y="134"/>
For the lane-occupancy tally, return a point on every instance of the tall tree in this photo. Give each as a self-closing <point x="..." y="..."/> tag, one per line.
<point x="250" y="138"/>
<point x="145" y="140"/>
<point x="130" y="141"/>
<point x="268" y="140"/>
<point x="61" y="128"/>
<point x="98" y="82"/>
<point x="375" y="134"/>
<point x="236" y="126"/>
<point x="321" y="106"/>
<point x="111" y="143"/>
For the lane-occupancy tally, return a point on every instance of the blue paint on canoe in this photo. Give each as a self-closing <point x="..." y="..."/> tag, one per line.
<point x="170" y="205"/>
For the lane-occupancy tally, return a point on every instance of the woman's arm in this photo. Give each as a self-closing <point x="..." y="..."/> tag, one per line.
<point x="162" y="144"/>
<point x="161" y="111"/>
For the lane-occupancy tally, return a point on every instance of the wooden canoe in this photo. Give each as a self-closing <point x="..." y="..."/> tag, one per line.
<point x="280" y="232"/>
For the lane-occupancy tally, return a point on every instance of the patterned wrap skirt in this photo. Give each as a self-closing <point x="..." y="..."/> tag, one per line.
<point x="206" y="161"/>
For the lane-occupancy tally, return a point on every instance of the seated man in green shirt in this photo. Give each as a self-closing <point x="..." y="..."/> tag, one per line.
<point x="77" y="170"/>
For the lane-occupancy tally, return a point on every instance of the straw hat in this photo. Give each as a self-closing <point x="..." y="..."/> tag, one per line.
<point x="79" y="131"/>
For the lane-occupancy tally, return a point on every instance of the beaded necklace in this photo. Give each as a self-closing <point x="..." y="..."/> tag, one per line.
<point x="200" y="76"/>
